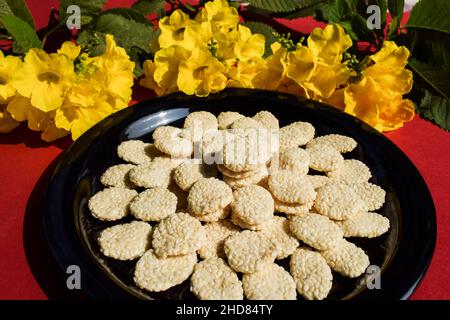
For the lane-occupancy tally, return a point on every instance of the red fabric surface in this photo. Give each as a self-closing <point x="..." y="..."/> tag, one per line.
<point x="25" y="161"/>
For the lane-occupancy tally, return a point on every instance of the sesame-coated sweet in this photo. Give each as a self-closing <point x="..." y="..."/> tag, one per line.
<point x="125" y="241"/>
<point x="189" y="172"/>
<point x="278" y="231"/>
<point x="259" y="178"/>
<point x="214" y="216"/>
<point x="202" y="120"/>
<point x="373" y="195"/>
<point x="249" y="251"/>
<point x="294" y="159"/>
<point x="338" y="201"/>
<point x="317" y="181"/>
<point x="169" y="140"/>
<point x="154" y="273"/>
<point x="341" y="143"/>
<point x="364" y="224"/>
<point x="178" y="234"/>
<point x="253" y="204"/>
<point x="296" y="134"/>
<point x="225" y="119"/>
<point x="346" y="259"/>
<point x="157" y="173"/>
<point x="137" y="151"/>
<point x="243" y="225"/>
<point x="246" y="123"/>
<point x="270" y="283"/>
<point x="311" y="273"/>
<point x="213" y="279"/>
<point x="208" y="195"/>
<point x="291" y="187"/>
<point x="238" y="175"/>
<point x="292" y="208"/>
<point x="117" y="176"/>
<point x="154" y="204"/>
<point x="351" y="171"/>
<point x="267" y="120"/>
<point x="322" y="157"/>
<point x="315" y="230"/>
<point x="245" y="152"/>
<point x="111" y="203"/>
<point x="216" y="233"/>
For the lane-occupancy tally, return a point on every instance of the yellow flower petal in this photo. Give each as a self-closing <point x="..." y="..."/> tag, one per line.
<point x="220" y="14"/>
<point x="7" y="123"/>
<point x="363" y="99"/>
<point x="330" y="43"/>
<point x="249" y="45"/>
<point x="167" y="63"/>
<point x="18" y="107"/>
<point x="71" y="50"/>
<point x="201" y="74"/>
<point x="392" y="55"/>
<point x="300" y="65"/>
<point x="9" y="65"/>
<point x="52" y="133"/>
<point x="396" y="113"/>
<point x="148" y="81"/>
<point x="397" y="80"/>
<point x="38" y="120"/>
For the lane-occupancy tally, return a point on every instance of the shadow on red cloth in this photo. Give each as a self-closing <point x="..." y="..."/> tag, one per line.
<point x="32" y="139"/>
<point x="47" y="274"/>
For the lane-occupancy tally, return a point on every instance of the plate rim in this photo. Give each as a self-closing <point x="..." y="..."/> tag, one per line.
<point x="92" y="133"/>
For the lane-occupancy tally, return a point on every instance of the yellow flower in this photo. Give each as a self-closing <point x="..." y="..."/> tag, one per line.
<point x="201" y="74"/>
<point x="114" y="71"/>
<point x="78" y="120"/>
<point x="369" y="101"/>
<point x="167" y="63"/>
<point x="21" y="109"/>
<point x="388" y="69"/>
<point x="9" y="65"/>
<point x="329" y="44"/>
<point x="391" y="55"/>
<point x="179" y="30"/>
<point x="70" y="49"/>
<point x="219" y="13"/>
<point x="242" y="73"/>
<point x="300" y="65"/>
<point x="363" y="101"/>
<point x="44" y="78"/>
<point x="7" y="122"/>
<point x="148" y="80"/>
<point x="271" y="76"/>
<point x="249" y="45"/>
<point x="313" y="74"/>
<point x="396" y="80"/>
<point x="395" y="114"/>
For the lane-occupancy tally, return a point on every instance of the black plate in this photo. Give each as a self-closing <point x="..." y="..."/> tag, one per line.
<point x="403" y="254"/>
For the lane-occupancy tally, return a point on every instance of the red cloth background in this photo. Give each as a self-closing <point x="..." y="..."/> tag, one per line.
<point x="25" y="271"/>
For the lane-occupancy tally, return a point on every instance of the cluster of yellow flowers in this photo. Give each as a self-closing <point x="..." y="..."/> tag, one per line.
<point x="64" y="92"/>
<point x="213" y="51"/>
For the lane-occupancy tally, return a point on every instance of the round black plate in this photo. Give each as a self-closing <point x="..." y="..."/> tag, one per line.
<point x="403" y="254"/>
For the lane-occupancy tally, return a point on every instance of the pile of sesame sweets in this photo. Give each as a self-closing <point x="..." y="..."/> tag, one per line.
<point x="239" y="215"/>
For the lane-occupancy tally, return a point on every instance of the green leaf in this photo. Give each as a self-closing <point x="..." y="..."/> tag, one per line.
<point x="436" y="78"/>
<point x="396" y="8"/>
<point x="149" y="6"/>
<point x="88" y="9"/>
<point x="431" y="47"/>
<point x="127" y="33"/>
<point x="24" y="36"/>
<point x="128" y="13"/>
<point x="435" y="108"/>
<point x="267" y="31"/>
<point x="282" y="5"/>
<point x="430" y="15"/>
<point x="16" y="8"/>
